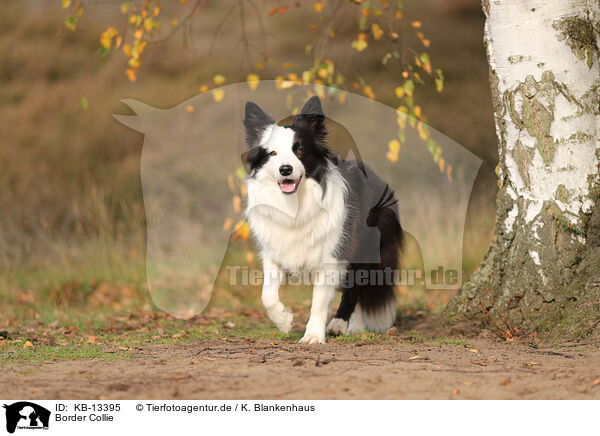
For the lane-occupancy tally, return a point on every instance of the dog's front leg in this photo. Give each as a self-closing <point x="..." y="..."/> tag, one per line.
<point x="279" y="314"/>
<point x="315" y="329"/>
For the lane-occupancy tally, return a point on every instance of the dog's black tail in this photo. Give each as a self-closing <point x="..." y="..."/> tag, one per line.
<point x="377" y="300"/>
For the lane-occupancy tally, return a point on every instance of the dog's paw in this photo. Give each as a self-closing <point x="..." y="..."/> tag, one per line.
<point x="337" y="326"/>
<point x="283" y="319"/>
<point x="310" y="338"/>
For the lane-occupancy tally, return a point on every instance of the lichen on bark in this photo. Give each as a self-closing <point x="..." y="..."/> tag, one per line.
<point x="580" y="35"/>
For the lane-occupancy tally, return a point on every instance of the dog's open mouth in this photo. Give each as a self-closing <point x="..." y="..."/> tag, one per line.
<point x="289" y="186"/>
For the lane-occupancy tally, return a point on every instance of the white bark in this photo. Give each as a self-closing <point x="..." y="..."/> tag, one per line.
<point x="548" y="122"/>
<point x="545" y="81"/>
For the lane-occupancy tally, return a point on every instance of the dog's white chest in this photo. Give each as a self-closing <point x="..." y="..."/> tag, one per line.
<point x="296" y="232"/>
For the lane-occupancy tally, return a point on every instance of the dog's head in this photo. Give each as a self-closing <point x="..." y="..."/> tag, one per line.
<point x="287" y="154"/>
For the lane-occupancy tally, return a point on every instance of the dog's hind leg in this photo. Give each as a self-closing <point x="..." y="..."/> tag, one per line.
<point x="279" y="314"/>
<point x="339" y="323"/>
<point x="357" y="321"/>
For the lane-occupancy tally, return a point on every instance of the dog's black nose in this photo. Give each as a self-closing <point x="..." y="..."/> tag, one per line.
<point x="285" y="170"/>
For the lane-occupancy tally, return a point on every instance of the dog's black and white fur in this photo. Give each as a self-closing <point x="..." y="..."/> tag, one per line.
<point x="307" y="210"/>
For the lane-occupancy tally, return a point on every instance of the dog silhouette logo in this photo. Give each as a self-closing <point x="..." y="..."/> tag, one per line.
<point x="193" y="171"/>
<point x="26" y="415"/>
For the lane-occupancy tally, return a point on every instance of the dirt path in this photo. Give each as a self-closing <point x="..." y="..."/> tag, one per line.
<point x="397" y="369"/>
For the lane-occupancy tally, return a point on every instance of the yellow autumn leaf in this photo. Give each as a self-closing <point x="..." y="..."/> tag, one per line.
<point x="107" y="36"/>
<point x="369" y="91"/>
<point x="416" y="24"/>
<point x="148" y="24"/>
<point x="227" y="224"/>
<point x="219" y="79"/>
<point x="27" y="344"/>
<point x="242" y="230"/>
<point x="318" y="7"/>
<point x="138" y="34"/>
<point x="66" y="3"/>
<point x="174" y="22"/>
<point x="134" y="63"/>
<point x="377" y="32"/>
<point x="131" y="74"/>
<point x="394" y="146"/>
<point x="203" y="88"/>
<point x="391" y="156"/>
<point x="237" y="204"/>
<point x="189" y="108"/>
<point x="423" y="131"/>
<point x="253" y="81"/>
<point x="399" y="92"/>
<point x="286" y="84"/>
<point x="441" y="164"/>
<point x="359" y="45"/>
<point x="218" y="94"/>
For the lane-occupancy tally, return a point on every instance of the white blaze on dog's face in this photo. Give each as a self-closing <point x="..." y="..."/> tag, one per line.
<point x="287" y="155"/>
<point x="283" y="164"/>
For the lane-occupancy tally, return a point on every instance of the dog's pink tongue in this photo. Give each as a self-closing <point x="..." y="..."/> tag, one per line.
<point x="288" y="186"/>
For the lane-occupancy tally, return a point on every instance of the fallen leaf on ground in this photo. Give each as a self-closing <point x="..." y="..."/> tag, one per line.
<point x="467" y="383"/>
<point x="92" y="339"/>
<point x="530" y="364"/>
<point x="596" y="382"/>
<point x="455" y="391"/>
<point x="393" y="332"/>
<point x="473" y="350"/>
<point x="505" y="382"/>
<point x="27" y="344"/>
<point x="417" y="358"/>
<point x="3" y="343"/>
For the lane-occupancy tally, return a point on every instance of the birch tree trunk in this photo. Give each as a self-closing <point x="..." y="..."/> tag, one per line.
<point x="543" y="268"/>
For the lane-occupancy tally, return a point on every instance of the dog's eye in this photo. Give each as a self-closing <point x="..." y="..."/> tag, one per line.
<point x="273" y="153"/>
<point x="299" y="151"/>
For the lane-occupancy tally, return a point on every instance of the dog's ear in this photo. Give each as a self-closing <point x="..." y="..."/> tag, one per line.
<point x="312" y="107"/>
<point x="311" y="116"/>
<point x="255" y="121"/>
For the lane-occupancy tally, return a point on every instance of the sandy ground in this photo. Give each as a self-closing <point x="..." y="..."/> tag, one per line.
<point x="395" y="369"/>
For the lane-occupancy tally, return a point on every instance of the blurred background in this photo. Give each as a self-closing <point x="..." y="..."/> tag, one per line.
<point x="72" y="219"/>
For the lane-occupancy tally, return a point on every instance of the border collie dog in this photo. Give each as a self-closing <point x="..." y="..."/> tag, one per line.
<point x="312" y="212"/>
